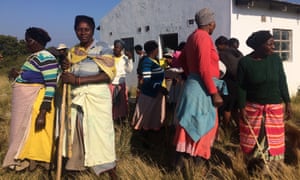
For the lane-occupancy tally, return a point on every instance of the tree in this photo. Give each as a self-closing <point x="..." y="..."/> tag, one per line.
<point x="11" y="46"/>
<point x="14" y="53"/>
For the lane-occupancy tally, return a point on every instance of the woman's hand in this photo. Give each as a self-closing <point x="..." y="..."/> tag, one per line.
<point x="65" y="64"/>
<point x="288" y="111"/>
<point x="217" y="100"/>
<point x="13" y="74"/>
<point x="40" y="121"/>
<point x="68" y="78"/>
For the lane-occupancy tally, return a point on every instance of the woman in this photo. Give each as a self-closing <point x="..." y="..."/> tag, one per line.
<point x="196" y="109"/>
<point x="230" y="58"/>
<point x="262" y="89"/>
<point x="123" y="66"/>
<point x="150" y="108"/>
<point x="141" y="53"/>
<point x="32" y="116"/>
<point x="92" y="139"/>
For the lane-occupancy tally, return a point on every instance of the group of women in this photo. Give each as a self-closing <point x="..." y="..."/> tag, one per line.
<point x="88" y="72"/>
<point x="89" y="134"/>
<point x="263" y="96"/>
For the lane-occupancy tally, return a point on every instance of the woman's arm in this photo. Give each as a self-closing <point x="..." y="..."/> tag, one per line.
<point x="241" y="92"/>
<point x="205" y="69"/>
<point x="49" y="70"/>
<point x="128" y="65"/>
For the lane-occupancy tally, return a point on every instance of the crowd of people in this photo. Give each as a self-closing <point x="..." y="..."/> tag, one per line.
<point x="188" y="83"/>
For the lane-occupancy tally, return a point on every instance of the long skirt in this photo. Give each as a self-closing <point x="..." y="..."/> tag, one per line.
<point x="266" y="127"/>
<point x="24" y="142"/>
<point x="202" y="147"/>
<point x="120" y="101"/>
<point x="149" y="112"/>
<point x="92" y="137"/>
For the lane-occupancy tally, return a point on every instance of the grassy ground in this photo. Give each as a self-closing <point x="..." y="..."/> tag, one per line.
<point x="149" y="156"/>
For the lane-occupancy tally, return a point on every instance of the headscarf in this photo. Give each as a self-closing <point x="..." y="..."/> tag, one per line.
<point x="39" y="35"/>
<point x="258" y="38"/>
<point x="204" y="17"/>
<point x="84" y="18"/>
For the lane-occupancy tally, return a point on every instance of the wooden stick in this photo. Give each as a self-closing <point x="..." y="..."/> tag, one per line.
<point x="258" y="146"/>
<point x="61" y="132"/>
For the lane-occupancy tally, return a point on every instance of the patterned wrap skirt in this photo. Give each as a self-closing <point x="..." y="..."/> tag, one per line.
<point x="270" y="117"/>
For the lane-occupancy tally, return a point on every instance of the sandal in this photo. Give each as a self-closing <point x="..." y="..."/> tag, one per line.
<point x="22" y="165"/>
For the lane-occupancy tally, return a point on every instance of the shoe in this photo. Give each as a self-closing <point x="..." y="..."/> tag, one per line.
<point x="22" y="165"/>
<point x="34" y="164"/>
<point x="11" y="167"/>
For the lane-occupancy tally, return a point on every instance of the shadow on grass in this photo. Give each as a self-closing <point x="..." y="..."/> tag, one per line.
<point x="154" y="146"/>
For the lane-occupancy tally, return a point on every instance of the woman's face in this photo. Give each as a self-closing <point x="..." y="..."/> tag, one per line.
<point x="269" y="47"/>
<point x="155" y="52"/>
<point x="118" y="49"/>
<point x="212" y="27"/>
<point x="84" y="33"/>
<point x="32" y="45"/>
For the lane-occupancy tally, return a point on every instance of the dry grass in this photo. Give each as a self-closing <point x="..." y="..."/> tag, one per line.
<point x="5" y="94"/>
<point x="139" y="159"/>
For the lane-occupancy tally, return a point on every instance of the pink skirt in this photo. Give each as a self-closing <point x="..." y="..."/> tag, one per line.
<point x="202" y="147"/>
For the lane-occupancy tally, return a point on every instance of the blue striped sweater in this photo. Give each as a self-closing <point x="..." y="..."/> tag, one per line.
<point x="153" y="76"/>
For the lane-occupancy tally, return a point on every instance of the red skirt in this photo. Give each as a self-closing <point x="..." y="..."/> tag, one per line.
<point x="270" y="117"/>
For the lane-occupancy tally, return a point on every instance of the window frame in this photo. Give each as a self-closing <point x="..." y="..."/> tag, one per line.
<point x="279" y="49"/>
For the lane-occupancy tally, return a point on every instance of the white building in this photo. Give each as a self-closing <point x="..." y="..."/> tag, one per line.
<point x="171" y="21"/>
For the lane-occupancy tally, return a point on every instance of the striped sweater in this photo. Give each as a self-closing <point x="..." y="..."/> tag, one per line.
<point x="42" y="68"/>
<point x="153" y="76"/>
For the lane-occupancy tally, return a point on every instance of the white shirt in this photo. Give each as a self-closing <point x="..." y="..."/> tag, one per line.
<point x="123" y="67"/>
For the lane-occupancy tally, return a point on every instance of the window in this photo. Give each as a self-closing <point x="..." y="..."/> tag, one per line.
<point x="283" y="43"/>
<point x="129" y="45"/>
<point x="169" y="40"/>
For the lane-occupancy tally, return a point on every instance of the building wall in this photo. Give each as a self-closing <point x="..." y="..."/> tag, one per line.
<point x="171" y="16"/>
<point x="245" y="21"/>
<point x="163" y="17"/>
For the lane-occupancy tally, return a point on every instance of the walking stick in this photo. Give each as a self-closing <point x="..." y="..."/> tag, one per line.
<point x="61" y="132"/>
<point x="259" y="147"/>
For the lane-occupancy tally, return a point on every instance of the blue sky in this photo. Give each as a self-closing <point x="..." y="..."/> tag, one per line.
<point x="293" y="1"/>
<point x="55" y="16"/>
